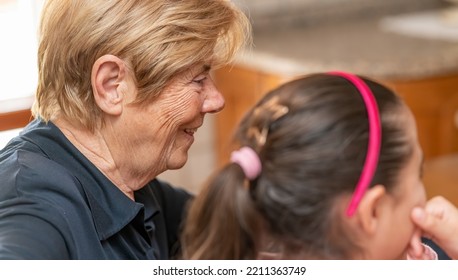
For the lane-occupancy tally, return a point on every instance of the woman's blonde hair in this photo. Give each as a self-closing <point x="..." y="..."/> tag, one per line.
<point x="156" y="38"/>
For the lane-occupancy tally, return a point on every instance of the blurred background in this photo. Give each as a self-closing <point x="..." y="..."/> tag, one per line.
<point x="409" y="45"/>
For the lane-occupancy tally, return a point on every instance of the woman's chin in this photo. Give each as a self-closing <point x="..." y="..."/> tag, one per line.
<point x="177" y="161"/>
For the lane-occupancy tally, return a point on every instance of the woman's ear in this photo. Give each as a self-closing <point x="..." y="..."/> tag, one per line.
<point x="108" y="77"/>
<point x="370" y="208"/>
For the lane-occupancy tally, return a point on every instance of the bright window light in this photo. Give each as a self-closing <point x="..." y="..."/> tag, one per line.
<point x="18" y="47"/>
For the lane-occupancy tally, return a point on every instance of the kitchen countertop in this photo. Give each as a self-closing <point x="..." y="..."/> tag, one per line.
<point x="358" y="46"/>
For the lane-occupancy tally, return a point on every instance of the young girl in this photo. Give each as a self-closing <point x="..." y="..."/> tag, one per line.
<point x="329" y="168"/>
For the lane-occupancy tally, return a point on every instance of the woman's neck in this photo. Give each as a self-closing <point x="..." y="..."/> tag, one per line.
<point x="96" y="149"/>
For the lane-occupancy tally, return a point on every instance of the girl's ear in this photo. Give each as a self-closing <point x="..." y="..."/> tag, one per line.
<point x="370" y="209"/>
<point x="108" y="78"/>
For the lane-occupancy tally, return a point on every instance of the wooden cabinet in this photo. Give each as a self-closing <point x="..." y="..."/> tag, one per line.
<point x="241" y="88"/>
<point x="441" y="177"/>
<point x="433" y="101"/>
<point x="16" y="119"/>
<point x="15" y="113"/>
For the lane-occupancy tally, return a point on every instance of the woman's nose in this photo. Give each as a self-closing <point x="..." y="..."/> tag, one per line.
<point x="214" y="100"/>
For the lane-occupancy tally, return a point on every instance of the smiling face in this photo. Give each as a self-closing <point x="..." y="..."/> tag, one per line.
<point x="181" y="110"/>
<point x="157" y="136"/>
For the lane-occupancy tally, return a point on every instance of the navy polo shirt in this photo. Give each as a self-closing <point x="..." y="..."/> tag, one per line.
<point x="55" y="204"/>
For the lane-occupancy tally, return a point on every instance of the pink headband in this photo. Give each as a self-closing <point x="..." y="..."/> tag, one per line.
<point x="375" y="135"/>
<point x="248" y="160"/>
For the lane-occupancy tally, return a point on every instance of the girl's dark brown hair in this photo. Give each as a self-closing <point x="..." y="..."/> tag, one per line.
<point x="311" y="156"/>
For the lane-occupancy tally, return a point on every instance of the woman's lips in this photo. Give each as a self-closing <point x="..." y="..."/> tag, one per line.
<point x="190" y="131"/>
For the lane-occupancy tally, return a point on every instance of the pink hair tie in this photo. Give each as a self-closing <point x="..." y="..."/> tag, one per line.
<point x="248" y="160"/>
<point x="375" y="136"/>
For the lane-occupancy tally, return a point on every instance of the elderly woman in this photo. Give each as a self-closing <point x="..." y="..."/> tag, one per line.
<point x="123" y="87"/>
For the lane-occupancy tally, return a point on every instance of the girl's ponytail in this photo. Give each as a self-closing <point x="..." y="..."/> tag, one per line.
<point x="222" y="221"/>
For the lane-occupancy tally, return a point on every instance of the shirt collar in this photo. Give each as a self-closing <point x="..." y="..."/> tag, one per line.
<point x="111" y="209"/>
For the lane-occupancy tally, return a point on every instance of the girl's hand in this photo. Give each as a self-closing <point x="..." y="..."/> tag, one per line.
<point x="438" y="221"/>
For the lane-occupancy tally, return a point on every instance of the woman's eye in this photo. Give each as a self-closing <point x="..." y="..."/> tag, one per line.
<point x="200" y="79"/>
